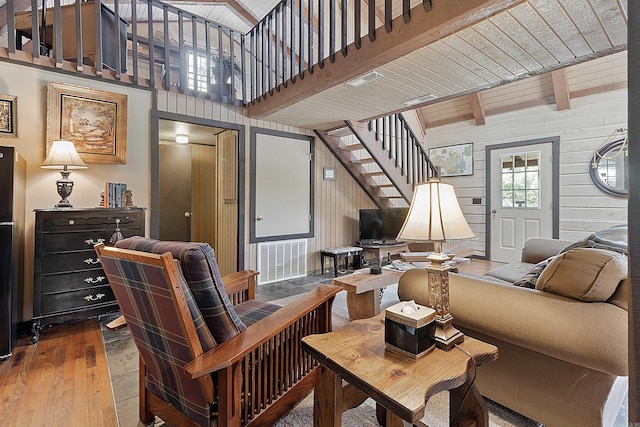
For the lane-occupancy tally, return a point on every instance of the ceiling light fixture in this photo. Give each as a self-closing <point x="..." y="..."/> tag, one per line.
<point x="364" y="79"/>
<point x="182" y="138"/>
<point x="426" y="98"/>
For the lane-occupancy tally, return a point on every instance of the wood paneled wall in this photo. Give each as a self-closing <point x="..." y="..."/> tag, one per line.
<point x="227" y="202"/>
<point x="336" y="202"/>
<point x="582" y="129"/>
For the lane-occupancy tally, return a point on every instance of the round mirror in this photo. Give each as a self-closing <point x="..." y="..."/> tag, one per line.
<point x="609" y="167"/>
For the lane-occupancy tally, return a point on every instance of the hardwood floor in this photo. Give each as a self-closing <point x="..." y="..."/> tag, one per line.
<point x="63" y="380"/>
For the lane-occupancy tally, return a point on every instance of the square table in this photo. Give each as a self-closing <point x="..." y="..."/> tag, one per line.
<point x="401" y="385"/>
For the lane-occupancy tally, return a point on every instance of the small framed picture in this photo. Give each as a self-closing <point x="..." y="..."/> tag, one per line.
<point x="8" y="116"/>
<point x="329" y="174"/>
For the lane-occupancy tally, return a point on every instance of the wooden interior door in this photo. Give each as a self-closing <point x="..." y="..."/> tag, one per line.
<point x="175" y="192"/>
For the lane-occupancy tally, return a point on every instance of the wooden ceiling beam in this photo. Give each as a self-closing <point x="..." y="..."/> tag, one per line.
<point x="445" y="18"/>
<point x="561" y="89"/>
<point x="233" y="4"/>
<point x="477" y="108"/>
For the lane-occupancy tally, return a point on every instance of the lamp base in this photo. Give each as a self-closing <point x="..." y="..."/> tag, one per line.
<point x="64" y="186"/>
<point x="445" y="334"/>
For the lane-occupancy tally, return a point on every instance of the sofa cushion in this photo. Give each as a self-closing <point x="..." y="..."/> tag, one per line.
<point x="511" y="272"/>
<point x="585" y="274"/>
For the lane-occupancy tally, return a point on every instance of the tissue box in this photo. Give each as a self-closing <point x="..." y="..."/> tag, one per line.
<point x="410" y="334"/>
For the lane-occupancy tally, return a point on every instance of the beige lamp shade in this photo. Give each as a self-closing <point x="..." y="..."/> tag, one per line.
<point x="434" y="215"/>
<point x="63" y="154"/>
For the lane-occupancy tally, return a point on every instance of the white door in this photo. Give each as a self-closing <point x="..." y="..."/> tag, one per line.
<point x="521" y="203"/>
<point x="282" y="187"/>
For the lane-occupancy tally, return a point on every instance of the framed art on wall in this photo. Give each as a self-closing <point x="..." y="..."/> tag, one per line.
<point x="94" y="120"/>
<point x="8" y="116"/>
<point x="455" y="160"/>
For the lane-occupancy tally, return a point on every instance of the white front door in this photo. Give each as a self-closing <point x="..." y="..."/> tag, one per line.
<point x="521" y="203"/>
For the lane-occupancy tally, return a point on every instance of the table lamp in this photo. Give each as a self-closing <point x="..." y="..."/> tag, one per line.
<point x="63" y="155"/>
<point x="435" y="216"/>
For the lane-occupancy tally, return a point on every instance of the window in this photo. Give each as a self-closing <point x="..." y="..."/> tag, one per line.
<point x="201" y="64"/>
<point x="521" y="180"/>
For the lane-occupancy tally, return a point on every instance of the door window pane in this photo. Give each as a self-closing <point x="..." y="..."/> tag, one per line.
<point x="520" y="180"/>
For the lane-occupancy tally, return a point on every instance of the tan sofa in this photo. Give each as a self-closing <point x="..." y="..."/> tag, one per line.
<point x="562" y="361"/>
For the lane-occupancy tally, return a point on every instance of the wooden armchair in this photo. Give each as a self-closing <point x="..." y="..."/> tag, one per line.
<point x="242" y="371"/>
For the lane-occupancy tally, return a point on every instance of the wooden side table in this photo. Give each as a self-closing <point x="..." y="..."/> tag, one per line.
<point x="363" y="291"/>
<point x="401" y="385"/>
<point x="385" y="251"/>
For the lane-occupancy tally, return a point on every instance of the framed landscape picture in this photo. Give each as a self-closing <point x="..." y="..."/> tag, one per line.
<point x="94" y="120"/>
<point x="455" y="160"/>
<point x="8" y="116"/>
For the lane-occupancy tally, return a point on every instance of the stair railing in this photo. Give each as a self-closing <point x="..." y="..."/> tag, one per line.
<point x="397" y="138"/>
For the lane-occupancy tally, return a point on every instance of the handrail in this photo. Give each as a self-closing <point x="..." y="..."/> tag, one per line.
<point x="290" y="42"/>
<point x="397" y="138"/>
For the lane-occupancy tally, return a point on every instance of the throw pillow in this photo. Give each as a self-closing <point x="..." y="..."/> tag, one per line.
<point x="530" y="279"/>
<point x="586" y="274"/>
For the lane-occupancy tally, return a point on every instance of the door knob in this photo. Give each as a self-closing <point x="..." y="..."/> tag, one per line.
<point x="493" y="211"/>
<point x="259" y="218"/>
<point x="187" y="214"/>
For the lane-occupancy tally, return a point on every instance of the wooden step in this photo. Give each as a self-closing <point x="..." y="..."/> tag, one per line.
<point x="390" y="196"/>
<point x="363" y="161"/>
<point x="352" y="147"/>
<point x="384" y="185"/>
<point x="375" y="173"/>
<point x="340" y="132"/>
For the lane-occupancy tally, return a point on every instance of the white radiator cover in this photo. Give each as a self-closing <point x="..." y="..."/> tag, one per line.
<point x="281" y="260"/>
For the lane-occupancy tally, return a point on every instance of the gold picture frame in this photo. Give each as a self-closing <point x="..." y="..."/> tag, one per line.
<point x="94" y="120"/>
<point x="8" y="116"/>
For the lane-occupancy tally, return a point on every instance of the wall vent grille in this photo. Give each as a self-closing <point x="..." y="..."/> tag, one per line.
<point x="282" y="260"/>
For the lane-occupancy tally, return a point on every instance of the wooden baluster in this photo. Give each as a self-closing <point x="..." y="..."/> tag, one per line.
<point x="57" y="36"/>
<point x="167" y="49"/>
<point x="183" y="69"/>
<point x="270" y="48"/>
<point x="357" y="25"/>
<point x="406" y="10"/>
<point x="292" y="41"/>
<point x="207" y="56"/>
<point x="332" y="30"/>
<point x="11" y="24"/>
<point x="344" y="27"/>
<point x="151" y="44"/>
<point x="321" y="33"/>
<point x="263" y="69"/>
<point x="388" y="15"/>
<point x="243" y="70"/>
<point x="372" y="20"/>
<point x="301" y="40"/>
<point x="116" y="34"/>
<point x="310" y="36"/>
<point x="134" y="41"/>
<point x="232" y="65"/>
<point x="220" y="74"/>
<point x="196" y="72"/>
<point x="285" y="51"/>
<point x="277" y="40"/>
<point x="98" y="37"/>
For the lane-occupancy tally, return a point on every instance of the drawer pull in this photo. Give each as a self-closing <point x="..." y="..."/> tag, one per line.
<point x="92" y="261"/>
<point x="98" y="297"/>
<point x="98" y="279"/>
<point x="92" y="242"/>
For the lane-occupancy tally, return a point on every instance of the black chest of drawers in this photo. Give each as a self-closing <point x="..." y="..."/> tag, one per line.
<point x="68" y="279"/>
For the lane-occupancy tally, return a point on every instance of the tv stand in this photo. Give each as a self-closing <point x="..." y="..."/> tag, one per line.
<point x="384" y="250"/>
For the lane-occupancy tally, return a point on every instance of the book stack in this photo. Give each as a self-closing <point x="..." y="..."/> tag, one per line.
<point x="114" y="194"/>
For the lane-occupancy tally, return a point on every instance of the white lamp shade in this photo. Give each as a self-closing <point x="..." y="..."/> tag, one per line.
<point x="434" y="215"/>
<point x="63" y="153"/>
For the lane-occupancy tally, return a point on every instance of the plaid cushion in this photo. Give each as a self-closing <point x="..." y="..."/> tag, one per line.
<point x="251" y="311"/>
<point x="204" y="335"/>
<point x="201" y="273"/>
<point x="148" y="305"/>
<point x="530" y="279"/>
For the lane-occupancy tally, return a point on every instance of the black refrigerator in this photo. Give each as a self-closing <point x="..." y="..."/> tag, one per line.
<point x="13" y="174"/>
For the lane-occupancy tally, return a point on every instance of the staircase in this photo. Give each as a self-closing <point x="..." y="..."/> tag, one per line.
<point x="384" y="156"/>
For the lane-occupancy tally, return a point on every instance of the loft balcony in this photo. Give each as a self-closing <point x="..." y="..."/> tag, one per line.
<point x="292" y="65"/>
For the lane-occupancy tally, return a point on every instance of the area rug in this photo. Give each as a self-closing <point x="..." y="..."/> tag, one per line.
<point x="123" y="365"/>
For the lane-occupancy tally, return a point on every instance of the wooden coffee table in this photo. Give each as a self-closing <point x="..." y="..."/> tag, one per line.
<point x="400" y="384"/>
<point x="363" y="291"/>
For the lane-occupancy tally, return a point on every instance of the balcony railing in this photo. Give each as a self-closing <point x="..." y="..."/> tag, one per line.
<point x="152" y="44"/>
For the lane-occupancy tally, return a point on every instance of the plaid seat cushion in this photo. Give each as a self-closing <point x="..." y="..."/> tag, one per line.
<point x="200" y="270"/>
<point x="251" y="311"/>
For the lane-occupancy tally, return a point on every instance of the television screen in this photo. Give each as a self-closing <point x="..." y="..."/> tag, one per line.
<point x="381" y="224"/>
